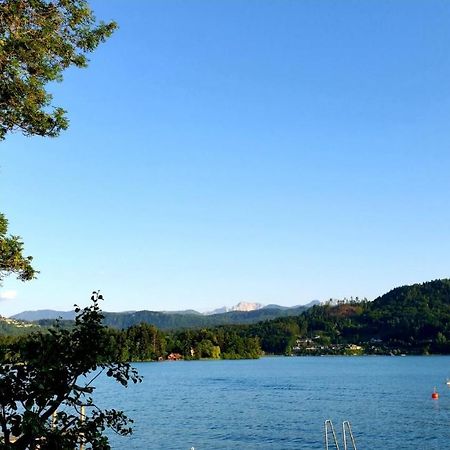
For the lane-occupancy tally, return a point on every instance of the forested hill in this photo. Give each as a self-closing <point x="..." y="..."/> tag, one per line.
<point x="419" y="311"/>
<point x="413" y="318"/>
<point x="433" y="295"/>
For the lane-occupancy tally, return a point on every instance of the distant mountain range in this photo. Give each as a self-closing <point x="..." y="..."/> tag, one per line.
<point x="410" y="319"/>
<point x="242" y="313"/>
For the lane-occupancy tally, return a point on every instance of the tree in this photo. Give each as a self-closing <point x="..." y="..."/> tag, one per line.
<point x="12" y="260"/>
<point x="145" y="342"/>
<point x="39" y="39"/>
<point x="41" y="400"/>
<point x="46" y="386"/>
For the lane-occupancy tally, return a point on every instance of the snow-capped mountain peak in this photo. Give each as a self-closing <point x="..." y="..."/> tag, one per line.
<point x="241" y="306"/>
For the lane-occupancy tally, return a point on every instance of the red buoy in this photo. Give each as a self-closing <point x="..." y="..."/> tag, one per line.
<point x="434" y="395"/>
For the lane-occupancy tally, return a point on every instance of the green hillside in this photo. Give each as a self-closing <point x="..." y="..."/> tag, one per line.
<point x="412" y="313"/>
<point x="412" y="318"/>
<point x="11" y="327"/>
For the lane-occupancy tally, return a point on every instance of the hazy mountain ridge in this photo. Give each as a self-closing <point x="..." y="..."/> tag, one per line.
<point x="42" y="314"/>
<point x="176" y="319"/>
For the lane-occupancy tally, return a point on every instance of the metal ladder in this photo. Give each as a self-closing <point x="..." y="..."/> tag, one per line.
<point x="330" y="435"/>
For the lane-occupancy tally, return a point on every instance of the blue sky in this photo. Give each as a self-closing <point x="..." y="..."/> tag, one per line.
<point x="270" y="151"/>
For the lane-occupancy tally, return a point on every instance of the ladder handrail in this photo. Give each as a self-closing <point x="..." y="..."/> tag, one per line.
<point x="329" y="425"/>
<point x="346" y="426"/>
<point x="346" y="429"/>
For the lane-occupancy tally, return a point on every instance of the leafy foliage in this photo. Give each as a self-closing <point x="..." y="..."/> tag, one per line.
<point x="12" y="260"/>
<point x="39" y="39"/>
<point x="46" y="386"/>
<point x="226" y="342"/>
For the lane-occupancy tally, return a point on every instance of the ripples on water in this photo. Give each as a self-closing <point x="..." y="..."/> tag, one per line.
<point x="281" y="403"/>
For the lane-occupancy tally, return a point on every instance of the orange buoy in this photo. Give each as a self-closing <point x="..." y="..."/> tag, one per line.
<point x="434" y="395"/>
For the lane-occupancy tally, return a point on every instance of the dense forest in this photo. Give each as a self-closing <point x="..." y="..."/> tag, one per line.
<point x="407" y="320"/>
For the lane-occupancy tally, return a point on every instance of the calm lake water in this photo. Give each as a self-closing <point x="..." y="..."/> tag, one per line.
<point x="281" y="403"/>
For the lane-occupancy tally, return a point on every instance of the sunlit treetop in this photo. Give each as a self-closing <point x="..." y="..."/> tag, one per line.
<point x="39" y="39"/>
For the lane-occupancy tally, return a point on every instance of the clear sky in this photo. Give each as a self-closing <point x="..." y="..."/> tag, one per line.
<point x="271" y="151"/>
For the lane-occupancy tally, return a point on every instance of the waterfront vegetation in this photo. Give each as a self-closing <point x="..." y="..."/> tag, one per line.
<point x="407" y="320"/>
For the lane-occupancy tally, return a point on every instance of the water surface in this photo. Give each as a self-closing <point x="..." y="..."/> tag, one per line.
<point x="281" y="403"/>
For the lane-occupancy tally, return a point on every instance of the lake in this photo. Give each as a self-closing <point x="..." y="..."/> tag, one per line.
<point x="282" y="403"/>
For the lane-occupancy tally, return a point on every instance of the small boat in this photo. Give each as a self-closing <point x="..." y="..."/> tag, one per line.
<point x="448" y="382"/>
